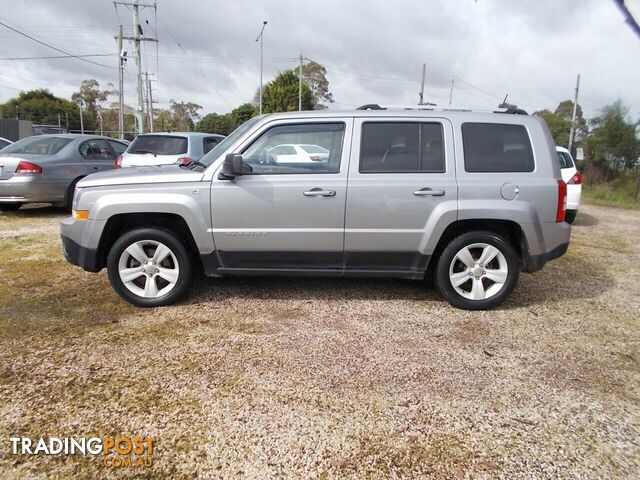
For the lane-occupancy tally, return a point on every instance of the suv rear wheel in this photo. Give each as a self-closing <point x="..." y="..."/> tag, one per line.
<point x="149" y="267"/>
<point x="477" y="270"/>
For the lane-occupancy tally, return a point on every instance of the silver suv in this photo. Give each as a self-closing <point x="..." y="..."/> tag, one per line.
<point x="469" y="198"/>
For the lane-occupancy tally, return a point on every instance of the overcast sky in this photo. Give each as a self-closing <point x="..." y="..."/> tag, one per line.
<point x="373" y="50"/>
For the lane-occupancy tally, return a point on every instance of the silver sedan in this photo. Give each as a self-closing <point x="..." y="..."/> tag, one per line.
<point x="46" y="168"/>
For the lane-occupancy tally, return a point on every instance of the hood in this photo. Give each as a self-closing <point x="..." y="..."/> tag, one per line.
<point x="141" y="175"/>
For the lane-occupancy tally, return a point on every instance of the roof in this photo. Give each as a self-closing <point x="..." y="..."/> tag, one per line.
<point x="182" y="134"/>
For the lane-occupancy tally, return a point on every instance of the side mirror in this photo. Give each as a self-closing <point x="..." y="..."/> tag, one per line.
<point x="232" y="166"/>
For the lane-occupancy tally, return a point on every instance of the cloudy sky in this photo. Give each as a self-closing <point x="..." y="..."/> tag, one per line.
<point x="373" y="50"/>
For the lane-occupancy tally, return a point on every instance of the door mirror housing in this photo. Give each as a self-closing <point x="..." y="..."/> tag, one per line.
<point x="232" y="166"/>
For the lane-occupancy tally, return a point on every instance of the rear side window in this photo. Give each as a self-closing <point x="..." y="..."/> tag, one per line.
<point x="118" y="147"/>
<point x="208" y="143"/>
<point x="565" y="160"/>
<point x="496" y="147"/>
<point x="159" y="145"/>
<point x="397" y="147"/>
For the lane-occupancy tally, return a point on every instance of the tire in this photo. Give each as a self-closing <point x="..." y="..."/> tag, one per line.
<point x="68" y="200"/>
<point x="150" y="287"/>
<point x="570" y="216"/>
<point x="9" y="207"/>
<point x="497" y="278"/>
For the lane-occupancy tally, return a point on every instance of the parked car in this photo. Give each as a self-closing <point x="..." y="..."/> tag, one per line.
<point x="573" y="179"/>
<point x="471" y="198"/>
<point x="167" y="148"/>
<point x="46" y="168"/>
<point x="4" y="143"/>
<point x="295" y="153"/>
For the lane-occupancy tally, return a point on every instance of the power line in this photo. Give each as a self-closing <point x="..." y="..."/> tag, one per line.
<point x="59" y="56"/>
<point x="52" y="47"/>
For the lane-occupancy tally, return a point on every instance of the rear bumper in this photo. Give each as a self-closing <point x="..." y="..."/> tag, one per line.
<point x="544" y="242"/>
<point x="538" y="261"/>
<point x="31" y="188"/>
<point x="574" y="192"/>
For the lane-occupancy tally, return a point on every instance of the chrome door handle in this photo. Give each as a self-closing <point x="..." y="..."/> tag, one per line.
<point x="319" y="192"/>
<point x="427" y="192"/>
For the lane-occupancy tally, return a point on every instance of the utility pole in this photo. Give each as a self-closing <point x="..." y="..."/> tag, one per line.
<point x="81" y="120"/>
<point x="421" y="94"/>
<point x="149" y="100"/>
<point x="300" y="84"/>
<point x="451" y="92"/>
<point x="100" y="118"/>
<point x="260" y="37"/>
<point x="138" y="37"/>
<point x="59" y="124"/>
<point x="121" y="58"/>
<point x="573" y="116"/>
<point x="66" y="120"/>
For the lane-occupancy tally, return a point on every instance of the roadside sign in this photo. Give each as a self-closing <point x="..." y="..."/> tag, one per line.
<point x="579" y="154"/>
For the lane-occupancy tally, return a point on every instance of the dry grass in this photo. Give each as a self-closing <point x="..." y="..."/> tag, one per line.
<point x="326" y="378"/>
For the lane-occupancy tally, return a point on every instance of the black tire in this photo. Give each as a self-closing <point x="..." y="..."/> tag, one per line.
<point x="9" y="207"/>
<point x="179" y="252"/>
<point x="68" y="199"/>
<point x="443" y="282"/>
<point x="570" y="216"/>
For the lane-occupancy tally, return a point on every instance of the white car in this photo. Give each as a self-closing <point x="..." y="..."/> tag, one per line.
<point x="166" y="148"/>
<point x="298" y="153"/>
<point x="573" y="178"/>
<point x="4" y="143"/>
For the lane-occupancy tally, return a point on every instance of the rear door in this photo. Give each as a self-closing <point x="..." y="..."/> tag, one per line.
<point x="284" y="216"/>
<point x="401" y="181"/>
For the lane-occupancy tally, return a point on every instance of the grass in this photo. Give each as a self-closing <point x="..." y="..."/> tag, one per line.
<point x="616" y="193"/>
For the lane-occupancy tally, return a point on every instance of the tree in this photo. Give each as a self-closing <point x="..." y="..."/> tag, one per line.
<point x="613" y="144"/>
<point x="91" y="95"/>
<point x="43" y="107"/>
<point x="184" y="114"/>
<point x="243" y="113"/>
<point x="281" y="94"/>
<point x="565" y="111"/>
<point x="558" y="126"/>
<point x="314" y="75"/>
<point x="214" y="123"/>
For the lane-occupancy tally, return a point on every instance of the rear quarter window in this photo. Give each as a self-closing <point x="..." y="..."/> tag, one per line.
<point x="565" y="160"/>
<point x="496" y="147"/>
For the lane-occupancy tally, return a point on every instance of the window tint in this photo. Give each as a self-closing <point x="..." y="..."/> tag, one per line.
<point x="565" y="160"/>
<point x="397" y="147"/>
<point x="38" y="145"/>
<point x="96" y="150"/>
<point x="118" y="147"/>
<point x="159" y="145"/>
<point x="208" y="143"/>
<point x="260" y="156"/>
<point x="495" y="147"/>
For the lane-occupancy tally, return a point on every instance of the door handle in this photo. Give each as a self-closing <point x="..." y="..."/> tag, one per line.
<point x="319" y="192"/>
<point x="427" y="192"/>
<point x="96" y="168"/>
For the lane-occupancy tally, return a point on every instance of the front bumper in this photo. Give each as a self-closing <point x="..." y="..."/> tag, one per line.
<point x="83" y="257"/>
<point x="80" y="240"/>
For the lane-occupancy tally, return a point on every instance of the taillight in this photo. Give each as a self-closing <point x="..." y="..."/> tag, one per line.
<point x="562" y="201"/>
<point x="576" y="179"/>
<point x="28" y="168"/>
<point x="184" y="161"/>
<point x="118" y="162"/>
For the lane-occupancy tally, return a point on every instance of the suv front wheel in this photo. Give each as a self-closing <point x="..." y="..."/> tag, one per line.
<point x="149" y="267"/>
<point x="477" y="270"/>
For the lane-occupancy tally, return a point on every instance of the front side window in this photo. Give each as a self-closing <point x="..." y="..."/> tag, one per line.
<point x="398" y="147"/>
<point x="278" y="150"/>
<point x="496" y="147"/>
<point x="159" y="145"/>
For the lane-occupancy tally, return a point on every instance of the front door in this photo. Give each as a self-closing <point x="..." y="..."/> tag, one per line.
<point x="284" y="215"/>
<point x="401" y="182"/>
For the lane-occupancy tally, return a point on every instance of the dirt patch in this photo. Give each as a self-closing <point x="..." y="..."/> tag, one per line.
<point x="328" y="378"/>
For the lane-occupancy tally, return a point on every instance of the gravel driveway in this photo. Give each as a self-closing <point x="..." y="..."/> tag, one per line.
<point x="328" y="378"/>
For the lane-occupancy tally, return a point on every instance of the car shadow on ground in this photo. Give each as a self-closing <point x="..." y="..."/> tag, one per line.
<point x="36" y="210"/>
<point x="585" y="220"/>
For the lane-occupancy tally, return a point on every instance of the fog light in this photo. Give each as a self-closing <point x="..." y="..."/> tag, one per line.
<point x="81" y="214"/>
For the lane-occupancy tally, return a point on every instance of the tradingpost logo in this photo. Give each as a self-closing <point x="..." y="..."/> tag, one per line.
<point x="113" y="452"/>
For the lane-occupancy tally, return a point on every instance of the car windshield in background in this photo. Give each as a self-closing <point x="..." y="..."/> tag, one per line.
<point x="38" y="145"/>
<point x="565" y="160"/>
<point x="314" y="149"/>
<point x="215" y="153"/>
<point x="159" y="145"/>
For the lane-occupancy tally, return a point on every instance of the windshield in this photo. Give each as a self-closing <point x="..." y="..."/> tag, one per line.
<point x="219" y="149"/>
<point x="38" y="145"/>
<point x="159" y="145"/>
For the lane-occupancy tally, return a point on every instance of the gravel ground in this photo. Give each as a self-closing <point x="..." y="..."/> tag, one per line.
<point x="328" y="378"/>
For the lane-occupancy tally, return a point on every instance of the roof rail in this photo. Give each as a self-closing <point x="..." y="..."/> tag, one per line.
<point x="435" y="108"/>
